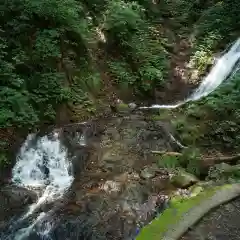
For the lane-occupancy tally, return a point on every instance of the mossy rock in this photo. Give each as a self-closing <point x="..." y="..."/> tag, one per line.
<point x="149" y="172"/>
<point x="184" y="179"/>
<point x="122" y="107"/>
<point x="178" y="207"/>
<point x="195" y="190"/>
<point x="224" y="171"/>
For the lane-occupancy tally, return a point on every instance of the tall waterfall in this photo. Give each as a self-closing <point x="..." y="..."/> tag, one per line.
<point x="43" y="166"/>
<point x="221" y="70"/>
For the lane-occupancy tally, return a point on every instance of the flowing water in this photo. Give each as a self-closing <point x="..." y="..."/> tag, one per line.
<point x="223" y="68"/>
<point x="42" y="166"/>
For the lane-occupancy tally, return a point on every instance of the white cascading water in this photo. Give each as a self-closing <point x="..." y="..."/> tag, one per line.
<point x="43" y="168"/>
<point x="221" y="70"/>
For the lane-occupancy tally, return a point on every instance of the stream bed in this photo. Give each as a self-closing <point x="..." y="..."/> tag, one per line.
<point x="94" y="180"/>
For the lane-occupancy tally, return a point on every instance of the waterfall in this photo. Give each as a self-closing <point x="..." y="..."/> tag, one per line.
<point x="221" y="70"/>
<point x="42" y="166"/>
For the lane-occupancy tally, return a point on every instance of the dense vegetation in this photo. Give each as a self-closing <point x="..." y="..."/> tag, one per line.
<point x="57" y="55"/>
<point x="220" y="112"/>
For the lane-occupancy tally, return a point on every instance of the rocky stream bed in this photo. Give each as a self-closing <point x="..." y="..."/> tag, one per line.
<point x="118" y="186"/>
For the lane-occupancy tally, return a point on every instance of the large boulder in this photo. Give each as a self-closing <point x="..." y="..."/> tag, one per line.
<point x="184" y="179"/>
<point x="148" y="173"/>
<point x="13" y="200"/>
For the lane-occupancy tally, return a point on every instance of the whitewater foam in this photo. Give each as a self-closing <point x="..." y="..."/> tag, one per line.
<point x="42" y="165"/>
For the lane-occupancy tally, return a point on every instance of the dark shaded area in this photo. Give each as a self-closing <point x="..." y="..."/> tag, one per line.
<point x="14" y="200"/>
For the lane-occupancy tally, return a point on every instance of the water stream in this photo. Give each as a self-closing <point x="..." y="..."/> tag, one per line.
<point x="42" y="166"/>
<point x="223" y="68"/>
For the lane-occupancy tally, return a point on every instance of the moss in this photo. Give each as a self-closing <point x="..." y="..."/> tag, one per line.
<point x="167" y="115"/>
<point x="167" y="161"/>
<point x="122" y="106"/>
<point x="196" y="190"/>
<point x="156" y="117"/>
<point x="178" y="207"/>
<point x="164" y="114"/>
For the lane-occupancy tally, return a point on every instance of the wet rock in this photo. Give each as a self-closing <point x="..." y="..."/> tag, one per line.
<point x="160" y="182"/>
<point x="148" y="173"/>
<point x="120" y="187"/>
<point x="184" y="179"/>
<point x="134" y="176"/>
<point x="223" y="167"/>
<point x="14" y="199"/>
<point x="122" y="177"/>
<point x="132" y="105"/>
<point x="180" y="193"/>
<point x="79" y="160"/>
<point x="111" y="187"/>
<point x="133" y="192"/>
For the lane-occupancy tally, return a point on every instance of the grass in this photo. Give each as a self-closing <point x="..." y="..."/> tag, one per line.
<point x="171" y="216"/>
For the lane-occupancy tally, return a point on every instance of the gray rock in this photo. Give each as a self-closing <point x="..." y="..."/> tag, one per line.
<point x="132" y="105"/>
<point x="14" y="199"/>
<point x="184" y="179"/>
<point x="223" y="167"/>
<point x="148" y="173"/>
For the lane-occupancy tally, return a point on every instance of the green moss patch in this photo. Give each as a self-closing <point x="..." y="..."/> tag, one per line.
<point x="171" y="216"/>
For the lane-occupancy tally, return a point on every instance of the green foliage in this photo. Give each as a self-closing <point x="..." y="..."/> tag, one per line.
<point x="220" y="18"/>
<point x="35" y="46"/>
<point x="122" y="20"/>
<point x="190" y="160"/>
<point x="201" y="59"/>
<point x="214" y="28"/>
<point x="122" y="73"/>
<point x="45" y="52"/>
<point x="15" y="108"/>
<point x="214" y="120"/>
<point x="40" y="45"/>
<point x="151" y="59"/>
<point x="222" y="108"/>
<point x="143" y="63"/>
<point x="170" y="162"/>
<point x="188" y="128"/>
